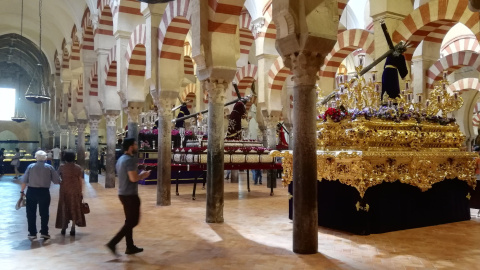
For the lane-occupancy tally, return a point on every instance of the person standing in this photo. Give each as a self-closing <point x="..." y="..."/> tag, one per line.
<point x="56" y="156"/>
<point x="16" y="162"/>
<point x="128" y="178"/>
<point x="2" y="157"/>
<point x="70" y="199"/>
<point x="38" y="177"/>
<point x="101" y="163"/>
<point x="257" y="177"/>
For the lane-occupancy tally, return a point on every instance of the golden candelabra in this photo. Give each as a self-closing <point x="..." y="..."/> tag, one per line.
<point x="440" y="100"/>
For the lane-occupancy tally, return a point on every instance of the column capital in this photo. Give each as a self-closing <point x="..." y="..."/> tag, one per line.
<point x="93" y="121"/>
<point x="81" y="125"/>
<point x="133" y="110"/>
<point x="216" y="89"/>
<point x="304" y="66"/>
<point x="111" y="116"/>
<point x="165" y="106"/>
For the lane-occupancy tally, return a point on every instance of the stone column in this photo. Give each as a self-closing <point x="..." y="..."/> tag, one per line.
<point x="234" y="176"/>
<point x="271" y="136"/>
<point x="64" y="137"/>
<point x="111" y="118"/>
<point x="56" y="140"/>
<point x="134" y="109"/>
<point x="164" y="162"/>
<point x="215" y="161"/>
<point x="72" y="131"/>
<point x="81" y="125"/>
<point x="305" y="66"/>
<point x="93" y="162"/>
<point x="51" y="140"/>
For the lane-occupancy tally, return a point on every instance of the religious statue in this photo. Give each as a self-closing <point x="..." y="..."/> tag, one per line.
<point x="183" y="112"/>
<point x="282" y="143"/>
<point x="394" y="64"/>
<point x="234" y="131"/>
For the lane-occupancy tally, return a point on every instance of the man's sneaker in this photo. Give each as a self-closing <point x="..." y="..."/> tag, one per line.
<point x="45" y="236"/>
<point x="32" y="237"/>
<point x="133" y="250"/>
<point x="112" y="249"/>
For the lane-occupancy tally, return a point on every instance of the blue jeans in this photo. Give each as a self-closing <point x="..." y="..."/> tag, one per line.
<point x="257" y="176"/>
<point x="56" y="163"/>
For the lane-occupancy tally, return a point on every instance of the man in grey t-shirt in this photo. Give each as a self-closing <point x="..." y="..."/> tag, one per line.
<point x="128" y="178"/>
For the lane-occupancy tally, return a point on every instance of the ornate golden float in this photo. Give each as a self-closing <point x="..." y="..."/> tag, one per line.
<point x="363" y="142"/>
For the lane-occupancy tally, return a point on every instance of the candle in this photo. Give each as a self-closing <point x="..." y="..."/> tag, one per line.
<point x="427" y="103"/>
<point x="407" y="85"/>
<point x="455" y="95"/>
<point x="409" y="97"/>
<point x="374" y="76"/>
<point x="341" y="78"/>
<point x="438" y="99"/>
<point x="360" y="61"/>
<point x="389" y="103"/>
<point x="419" y="99"/>
<point x="445" y="75"/>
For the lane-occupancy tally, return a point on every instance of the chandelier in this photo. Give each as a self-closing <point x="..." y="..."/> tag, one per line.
<point x="40" y="94"/>
<point x="17" y="116"/>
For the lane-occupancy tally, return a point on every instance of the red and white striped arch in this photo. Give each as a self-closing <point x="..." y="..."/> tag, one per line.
<point x="87" y="35"/>
<point x="65" y="56"/>
<point x="245" y="32"/>
<point x="189" y="95"/>
<point x="464" y="43"/>
<point x="277" y="75"/>
<point x="93" y="92"/>
<point x="111" y="67"/>
<point x="105" y="19"/>
<point x="58" y="66"/>
<point x="347" y="42"/>
<point x="341" y="5"/>
<point x="224" y="15"/>
<point x="451" y="63"/>
<point x="173" y="30"/>
<point x="188" y="66"/>
<point x="136" y="52"/>
<point x="245" y="76"/>
<point x="127" y="6"/>
<point x="465" y="85"/>
<point x="75" y="55"/>
<point x="80" y="90"/>
<point x="432" y="20"/>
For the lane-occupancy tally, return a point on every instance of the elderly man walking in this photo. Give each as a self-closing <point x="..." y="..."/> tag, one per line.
<point x="38" y="177"/>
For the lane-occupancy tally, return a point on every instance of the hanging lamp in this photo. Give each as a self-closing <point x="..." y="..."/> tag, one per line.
<point x="17" y="117"/>
<point x="33" y="94"/>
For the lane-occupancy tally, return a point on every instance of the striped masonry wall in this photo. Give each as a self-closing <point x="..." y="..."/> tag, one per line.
<point x="111" y="67"/>
<point x="432" y="20"/>
<point x="136" y="52"/>
<point x="450" y="63"/>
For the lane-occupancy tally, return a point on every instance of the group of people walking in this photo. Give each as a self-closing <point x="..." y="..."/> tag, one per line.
<point x="37" y="180"/>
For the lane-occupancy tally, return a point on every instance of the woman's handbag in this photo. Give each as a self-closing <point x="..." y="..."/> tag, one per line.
<point x="85" y="207"/>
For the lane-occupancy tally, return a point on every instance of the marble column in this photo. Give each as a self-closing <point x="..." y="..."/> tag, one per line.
<point x="56" y="140"/>
<point x="64" y="137"/>
<point x="133" y="111"/>
<point x="164" y="152"/>
<point x="234" y="176"/>
<point x="111" y="118"/>
<point x="305" y="66"/>
<point x="72" y="131"/>
<point x="93" y="121"/>
<point x="51" y="140"/>
<point x="271" y="136"/>
<point x="81" y="125"/>
<point x="215" y="158"/>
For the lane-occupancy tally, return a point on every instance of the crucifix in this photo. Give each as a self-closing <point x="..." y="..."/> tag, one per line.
<point x="395" y="63"/>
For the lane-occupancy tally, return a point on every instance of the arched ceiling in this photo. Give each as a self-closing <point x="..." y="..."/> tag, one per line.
<point x="58" y="18"/>
<point x="24" y="53"/>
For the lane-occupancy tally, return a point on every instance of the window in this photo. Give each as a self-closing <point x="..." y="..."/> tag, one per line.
<point x="7" y="104"/>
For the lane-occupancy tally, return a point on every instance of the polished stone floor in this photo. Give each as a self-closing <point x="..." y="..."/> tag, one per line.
<point x="257" y="234"/>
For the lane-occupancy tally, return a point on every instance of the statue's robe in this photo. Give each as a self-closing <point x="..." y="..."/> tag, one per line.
<point x="234" y="131"/>
<point x="394" y="65"/>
